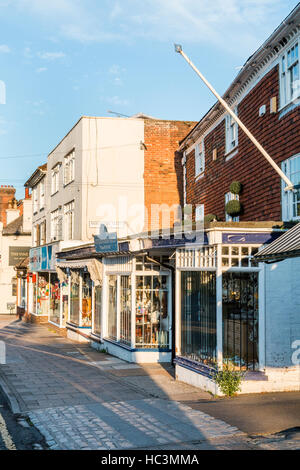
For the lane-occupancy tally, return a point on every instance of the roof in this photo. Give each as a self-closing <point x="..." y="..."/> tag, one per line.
<point x="286" y="246"/>
<point x="36" y="177"/>
<point x="270" y="49"/>
<point x="15" y="227"/>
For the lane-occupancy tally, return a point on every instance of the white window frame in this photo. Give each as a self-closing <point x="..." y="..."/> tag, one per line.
<point x="55" y="180"/>
<point x="289" y="198"/>
<point x="35" y="200"/>
<point x="199" y="213"/>
<point x="231" y="197"/>
<point x="231" y="132"/>
<point x="42" y="194"/>
<point x="289" y="89"/>
<point x="69" y="168"/>
<point x="69" y="211"/>
<point x="55" y="227"/>
<point x="199" y="159"/>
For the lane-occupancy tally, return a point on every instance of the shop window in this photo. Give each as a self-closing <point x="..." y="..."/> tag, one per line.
<point x="54" y="299"/>
<point x="112" y="307"/>
<point x="198" y="317"/>
<point x="74" y="298"/>
<point x="65" y="301"/>
<point x="125" y="309"/>
<point x="43" y="294"/>
<point x="87" y="287"/>
<point x="291" y="199"/>
<point x="152" y="318"/>
<point x="239" y="256"/>
<point x="240" y="319"/>
<point x="97" y="313"/>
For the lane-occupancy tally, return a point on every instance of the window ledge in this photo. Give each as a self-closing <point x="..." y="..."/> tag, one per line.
<point x="287" y="108"/>
<point x="200" y="176"/>
<point x="231" y="154"/>
<point x="53" y="194"/>
<point x="70" y="182"/>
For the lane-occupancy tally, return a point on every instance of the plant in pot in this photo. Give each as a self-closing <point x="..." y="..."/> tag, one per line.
<point x="234" y="208"/>
<point x="236" y="187"/>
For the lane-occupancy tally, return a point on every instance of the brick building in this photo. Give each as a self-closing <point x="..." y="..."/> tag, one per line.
<point x="265" y="95"/>
<point x="229" y="308"/>
<point x="7" y="196"/>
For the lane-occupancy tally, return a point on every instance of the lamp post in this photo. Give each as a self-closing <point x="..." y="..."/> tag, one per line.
<point x="290" y="186"/>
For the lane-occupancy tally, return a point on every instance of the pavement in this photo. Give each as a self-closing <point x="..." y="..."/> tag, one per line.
<point x="78" y="398"/>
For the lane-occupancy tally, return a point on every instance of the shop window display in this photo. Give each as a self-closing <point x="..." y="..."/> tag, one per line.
<point x="65" y="301"/>
<point x="43" y="294"/>
<point x="125" y="309"/>
<point x="97" y="314"/>
<point x="152" y="319"/>
<point x="74" y="298"/>
<point x="87" y="287"/>
<point x="112" y="308"/>
<point x="54" y="299"/>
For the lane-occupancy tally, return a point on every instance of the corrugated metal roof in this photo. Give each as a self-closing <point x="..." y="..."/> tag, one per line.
<point x="286" y="246"/>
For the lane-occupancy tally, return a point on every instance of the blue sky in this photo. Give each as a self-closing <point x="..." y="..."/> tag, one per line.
<point x="61" y="59"/>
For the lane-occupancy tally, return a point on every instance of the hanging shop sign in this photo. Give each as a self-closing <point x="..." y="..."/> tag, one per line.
<point x="17" y="254"/>
<point x="106" y="242"/>
<point x="249" y="238"/>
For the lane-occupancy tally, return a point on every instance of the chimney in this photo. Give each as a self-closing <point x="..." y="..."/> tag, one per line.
<point x="27" y="195"/>
<point x="27" y="215"/>
<point x="7" y="194"/>
<point x="12" y="213"/>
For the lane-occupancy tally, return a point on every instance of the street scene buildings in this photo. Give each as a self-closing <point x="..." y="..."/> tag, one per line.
<point x="170" y="243"/>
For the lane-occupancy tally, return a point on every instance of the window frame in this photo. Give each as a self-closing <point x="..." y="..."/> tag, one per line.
<point x="231" y="197"/>
<point x="55" y="225"/>
<point x="55" y="179"/>
<point x="288" y="198"/>
<point x="200" y="158"/>
<point x="285" y="70"/>
<point x="69" y="210"/>
<point x="231" y="125"/>
<point x="69" y="168"/>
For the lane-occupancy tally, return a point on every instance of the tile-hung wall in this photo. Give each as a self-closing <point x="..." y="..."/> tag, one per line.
<point x="136" y="305"/>
<point x="217" y="306"/>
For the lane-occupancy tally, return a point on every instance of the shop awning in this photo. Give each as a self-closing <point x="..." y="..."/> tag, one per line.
<point x="286" y="246"/>
<point x="93" y="266"/>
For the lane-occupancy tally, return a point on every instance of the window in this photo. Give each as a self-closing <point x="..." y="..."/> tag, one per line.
<point x="56" y="226"/>
<point x="198" y="317"/>
<point x="240" y="319"/>
<point x="35" y="200"/>
<point x="231" y="133"/>
<point x="231" y="197"/>
<point x="69" y="221"/>
<point x="290" y="199"/>
<point x="112" y="308"/>
<point x="289" y="75"/>
<point x="87" y="288"/>
<point x="69" y="168"/>
<point x="54" y="315"/>
<point x="98" y="308"/>
<point x="125" y="309"/>
<point x="42" y="194"/>
<point x="199" y="215"/>
<point x="55" y="180"/>
<point x="14" y="283"/>
<point x="43" y="233"/>
<point x="199" y="158"/>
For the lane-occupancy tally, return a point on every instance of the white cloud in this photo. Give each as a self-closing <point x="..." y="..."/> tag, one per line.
<point x="117" y="101"/>
<point x="230" y="24"/>
<point x="41" y="70"/>
<point x="51" y="55"/>
<point x="4" y="49"/>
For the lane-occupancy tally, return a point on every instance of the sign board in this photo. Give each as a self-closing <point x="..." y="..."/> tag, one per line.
<point x="10" y="306"/>
<point x="43" y="258"/>
<point x="106" y="242"/>
<point x="17" y="254"/>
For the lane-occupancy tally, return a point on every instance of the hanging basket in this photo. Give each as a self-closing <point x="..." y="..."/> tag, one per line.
<point x="236" y="187"/>
<point x="233" y="208"/>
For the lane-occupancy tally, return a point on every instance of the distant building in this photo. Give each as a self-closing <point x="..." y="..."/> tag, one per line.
<point x="15" y="243"/>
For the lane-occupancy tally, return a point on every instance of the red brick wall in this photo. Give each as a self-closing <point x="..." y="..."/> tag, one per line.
<point x="261" y="196"/>
<point x="163" y="169"/>
<point x="7" y="193"/>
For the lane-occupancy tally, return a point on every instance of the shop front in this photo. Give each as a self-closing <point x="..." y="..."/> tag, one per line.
<point x="136" y="309"/>
<point x="220" y="311"/>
